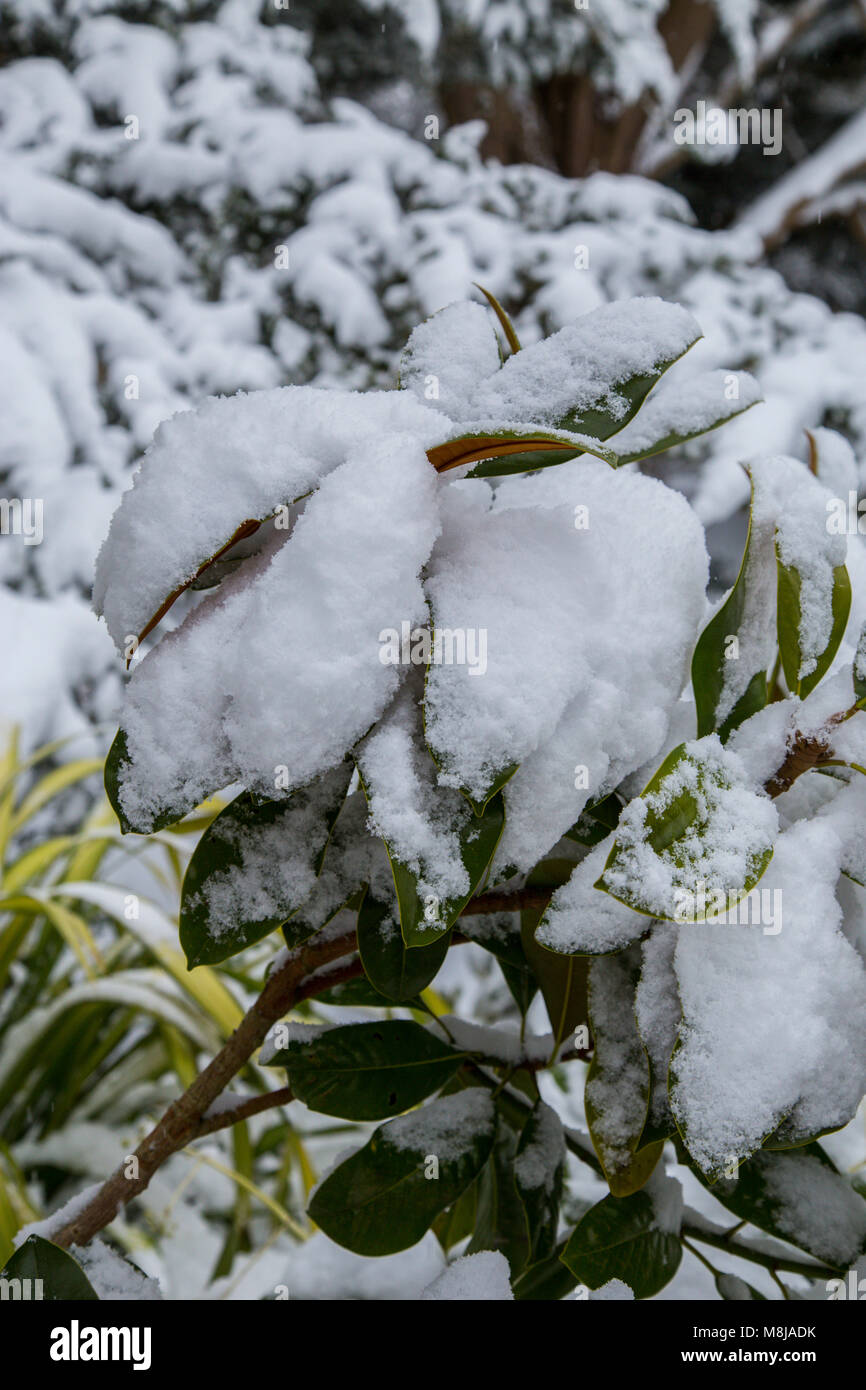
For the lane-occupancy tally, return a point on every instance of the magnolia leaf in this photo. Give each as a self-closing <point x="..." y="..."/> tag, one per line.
<point x="116" y="762"/>
<point x="388" y="1194"/>
<point x="711" y="663"/>
<point x="53" y="1275"/>
<point x="504" y="465"/>
<point x="246" y="529"/>
<point x="539" y="1173"/>
<point x="547" y="1281"/>
<point x="617" y="1091"/>
<point x="500" y="1222"/>
<point x="664" y="860"/>
<point x="859" y="669"/>
<point x="505" y="322"/>
<point x="368" y="1071"/>
<point x="622" y="1238"/>
<point x="423" y="917"/>
<point x="563" y="979"/>
<point x="472" y="448"/>
<point x="682" y="410"/>
<point x="802" y="674"/>
<point x="797" y="1196"/>
<point x="732" y="1288"/>
<point x="390" y="965"/>
<point x="255" y="865"/>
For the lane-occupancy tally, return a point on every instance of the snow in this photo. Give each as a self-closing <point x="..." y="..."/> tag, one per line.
<point x="446" y="1127"/>
<point x="113" y="1278"/>
<point x="228" y="682"/>
<point x="60" y="1217"/>
<point x="609" y="681"/>
<point x="617" y="1087"/>
<point x="418" y="820"/>
<point x="229" y="461"/>
<point x="275" y="864"/>
<point x="806" y="543"/>
<point x="666" y="1195"/>
<point x="537" y="1163"/>
<point x="657" y="1012"/>
<point x="582" y="920"/>
<point x="809" y="179"/>
<point x="814" y="1205"/>
<point x="450" y="355"/>
<point x="614" y="1291"/>
<point x="321" y="1269"/>
<point x="140" y="292"/>
<point x="679" y="409"/>
<point x="718" y="852"/>
<point x="580" y="368"/>
<point x="484" y="1277"/>
<point x="784" y="1013"/>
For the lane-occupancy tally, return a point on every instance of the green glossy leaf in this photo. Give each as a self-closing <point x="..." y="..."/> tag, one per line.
<point x="423" y="919"/>
<point x="539" y="1173"/>
<point x="62" y="1278"/>
<point x="601" y="420"/>
<point x="672" y="831"/>
<point x="254" y="866"/>
<point x="664" y="421"/>
<point x="711" y="660"/>
<point x="457" y="1221"/>
<point x="368" y="1071"/>
<point x="549" y="1280"/>
<point x="782" y="1193"/>
<point x="596" y="821"/>
<point x="389" y="964"/>
<point x="385" y="1197"/>
<point x="620" y="1238"/>
<point x="504" y="465"/>
<point x="358" y="993"/>
<point x="496" y="934"/>
<point x="789" y="610"/>
<point x="500" y="1222"/>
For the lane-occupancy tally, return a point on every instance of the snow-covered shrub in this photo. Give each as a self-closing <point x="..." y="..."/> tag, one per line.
<point x="446" y="668"/>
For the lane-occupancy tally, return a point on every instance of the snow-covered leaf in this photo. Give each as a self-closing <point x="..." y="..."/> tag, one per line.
<point x="696" y="840"/>
<point x="682" y="409"/>
<point x="736" y="639"/>
<point x="255" y="865"/>
<point x="811" y="622"/>
<point x="635" y="1239"/>
<point x="438" y="849"/>
<point x="799" y="1197"/>
<point x="381" y="1199"/>
<point x="539" y="1172"/>
<point x="618" y="1084"/>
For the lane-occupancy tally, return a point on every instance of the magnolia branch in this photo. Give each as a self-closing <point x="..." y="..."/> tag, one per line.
<point x="294" y="979"/>
<point x="306" y="972"/>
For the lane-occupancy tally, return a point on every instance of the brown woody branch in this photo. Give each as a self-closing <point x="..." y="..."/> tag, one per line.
<point x="185" y="1117"/>
<point x="306" y="972"/>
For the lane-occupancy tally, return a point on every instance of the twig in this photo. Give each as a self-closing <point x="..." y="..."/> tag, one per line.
<point x="249" y="1105"/>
